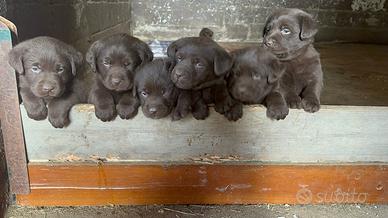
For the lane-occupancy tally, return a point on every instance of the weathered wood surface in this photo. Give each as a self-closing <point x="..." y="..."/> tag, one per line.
<point x="10" y="119"/>
<point x="336" y="134"/>
<point x="205" y="184"/>
<point x="4" y="191"/>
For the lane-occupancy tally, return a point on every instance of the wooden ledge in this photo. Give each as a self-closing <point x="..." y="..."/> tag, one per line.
<point x="122" y="184"/>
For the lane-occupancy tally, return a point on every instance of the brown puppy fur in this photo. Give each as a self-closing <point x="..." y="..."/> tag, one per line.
<point x="115" y="59"/>
<point x="289" y="34"/>
<point x="48" y="75"/>
<point x="201" y="65"/>
<point x="254" y="80"/>
<point x="157" y="93"/>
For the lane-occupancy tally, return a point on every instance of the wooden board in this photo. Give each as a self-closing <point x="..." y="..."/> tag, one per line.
<point x="336" y="134"/>
<point x="205" y="184"/>
<point x="3" y="180"/>
<point x="11" y="124"/>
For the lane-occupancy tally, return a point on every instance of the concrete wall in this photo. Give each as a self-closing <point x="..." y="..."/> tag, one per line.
<point x="81" y="21"/>
<point x="74" y="21"/>
<point x="242" y="20"/>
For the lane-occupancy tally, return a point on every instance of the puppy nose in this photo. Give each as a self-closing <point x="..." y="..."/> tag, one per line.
<point x="48" y="87"/>
<point x="116" y="81"/>
<point x="178" y="73"/>
<point x="152" y="110"/>
<point x="270" y="42"/>
<point x="242" y="90"/>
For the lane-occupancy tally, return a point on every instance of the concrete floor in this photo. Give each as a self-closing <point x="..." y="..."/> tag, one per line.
<point x="180" y="211"/>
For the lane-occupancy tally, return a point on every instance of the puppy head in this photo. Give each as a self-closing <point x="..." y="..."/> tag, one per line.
<point x="155" y="89"/>
<point x="47" y="65"/>
<point x="198" y="60"/>
<point x="254" y="74"/>
<point x="288" y="31"/>
<point x="116" y="58"/>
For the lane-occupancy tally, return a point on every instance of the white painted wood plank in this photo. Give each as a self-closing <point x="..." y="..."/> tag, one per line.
<point x="336" y="134"/>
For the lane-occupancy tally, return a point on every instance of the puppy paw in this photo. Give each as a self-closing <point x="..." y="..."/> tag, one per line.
<point x="279" y="112"/>
<point x="294" y="102"/>
<point x="127" y="111"/>
<point x="310" y="105"/>
<point x="58" y="120"/>
<point x="224" y="106"/>
<point x="106" y="114"/>
<point x="179" y="113"/>
<point x="201" y="113"/>
<point x="37" y="112"/>
<point x="235" y="113"/>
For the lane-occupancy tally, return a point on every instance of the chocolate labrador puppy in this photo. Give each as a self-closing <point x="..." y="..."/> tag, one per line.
<point x="254" y="79"/>
<point x="289" y="34"/>
<point x="157" y="93"/>
<point x="49" y="82"/>
<point x="115" y="59"/>
<point x="201" y="65"/>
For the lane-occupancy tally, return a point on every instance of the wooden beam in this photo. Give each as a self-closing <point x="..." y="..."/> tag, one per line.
<point x="3" y="180"/>
<point x="10" y="120"/>
<point x="120" y="184"/>
<point x="336" y="134"/>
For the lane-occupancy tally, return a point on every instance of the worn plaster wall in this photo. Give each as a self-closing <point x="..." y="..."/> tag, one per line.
<point x="242" y="20"/>
<point x="74" y="21"/>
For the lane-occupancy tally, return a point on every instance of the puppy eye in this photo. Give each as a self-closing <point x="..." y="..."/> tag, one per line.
<point x="60" y="69"/>
<point x="126" y="64"/>
<point x="285" y="31"/>
<point x="199" y="65"/>
<point x="256" y="76"/>
<point x="144" y="93"/>
<point x="107" y="63"/>
<point x="179" y="58"/>
<point x="35" y="69"/>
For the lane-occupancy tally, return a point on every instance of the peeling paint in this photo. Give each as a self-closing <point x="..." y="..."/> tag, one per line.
<point x="233" y="186"/>
<point x="372" y="21"/>
<point x="368" y="5"/>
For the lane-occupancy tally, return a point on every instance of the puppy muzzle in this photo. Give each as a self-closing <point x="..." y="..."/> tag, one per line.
<point x="181" y="78"/>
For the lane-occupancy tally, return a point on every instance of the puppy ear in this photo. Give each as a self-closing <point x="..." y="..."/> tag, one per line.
<point x="276" y="71"/>
<point x="267" y="26"/>
<point x="144" y="51"/>
<point x="223" y="62"/>
<point x="308" y="27"/>
<point x="172" y="49"/>
<point x="174" y="46"/>
<point x="134" y="90"/>
<point x="15" y="58"/>
<point x="91" y="55"/>
<point x="207" y="33"/>
<point x="76" y="60"/>
<point x="169" y="64"/>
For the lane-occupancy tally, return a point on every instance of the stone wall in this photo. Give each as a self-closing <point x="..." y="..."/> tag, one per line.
<point x="74" y="21"/>
<point x="242" y="20"/>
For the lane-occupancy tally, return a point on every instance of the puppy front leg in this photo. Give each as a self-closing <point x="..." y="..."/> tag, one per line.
<point x="128" y="106"/>
<point x="200" y="110"/>
<point x="225" y="104"/>
<point x="183" y="105"/>
<point x="104" y="105"/>
<point x="310" y="97"/>
<point x="58" y="110"/>
<point x="277" y="108"/>
<point x="35" y="107"/>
